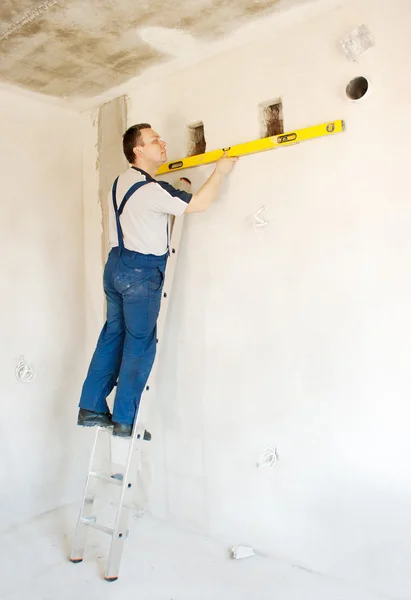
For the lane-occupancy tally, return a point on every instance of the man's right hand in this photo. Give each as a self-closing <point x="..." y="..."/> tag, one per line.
<point x="225" y="164"/>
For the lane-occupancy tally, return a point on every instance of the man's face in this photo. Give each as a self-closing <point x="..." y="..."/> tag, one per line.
<point x="152" y="148"/>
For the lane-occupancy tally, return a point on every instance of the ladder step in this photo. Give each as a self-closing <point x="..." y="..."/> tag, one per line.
<point x="109" y="478"/>
<point x="146" y="436"/>
<point x="87" y="521"/>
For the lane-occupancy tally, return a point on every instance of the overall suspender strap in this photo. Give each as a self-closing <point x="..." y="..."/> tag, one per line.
<point x="118" y="211"/>
<point x="119" y="230"/>
<point x="130" y="192"/>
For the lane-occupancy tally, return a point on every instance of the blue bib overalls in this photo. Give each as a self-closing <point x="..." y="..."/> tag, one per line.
<point x="126" y="348"/>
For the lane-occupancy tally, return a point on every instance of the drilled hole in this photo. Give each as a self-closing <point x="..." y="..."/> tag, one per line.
<point x="197" y="143"/>
<point x="271" y="118"/>
<point x="357" y="88"/>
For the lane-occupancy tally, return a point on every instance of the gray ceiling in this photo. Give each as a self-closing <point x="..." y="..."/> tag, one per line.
<point x="82" y="48"/>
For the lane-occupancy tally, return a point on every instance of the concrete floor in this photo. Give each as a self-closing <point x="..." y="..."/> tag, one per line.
<point x="160" y="562"/>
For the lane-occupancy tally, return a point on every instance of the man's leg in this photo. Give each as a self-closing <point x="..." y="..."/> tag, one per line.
<point x="105" y="364"/>
<point x="141" y="305"/>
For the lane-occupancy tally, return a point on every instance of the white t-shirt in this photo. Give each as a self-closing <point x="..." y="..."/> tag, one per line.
<point x="144" y="220"/>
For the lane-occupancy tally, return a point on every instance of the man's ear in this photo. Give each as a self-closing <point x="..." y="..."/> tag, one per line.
<point x="136" y="151"/>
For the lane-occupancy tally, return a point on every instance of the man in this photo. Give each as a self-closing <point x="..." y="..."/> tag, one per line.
<point x="134" y="276"/>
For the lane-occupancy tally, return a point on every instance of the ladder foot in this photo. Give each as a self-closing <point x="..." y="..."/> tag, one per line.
<point x="111" y="578"/>
<point x="76" y="560"/>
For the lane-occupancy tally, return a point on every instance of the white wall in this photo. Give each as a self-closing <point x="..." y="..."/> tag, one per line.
<point x="298" y="336"/>
<point x="42" y="306"/>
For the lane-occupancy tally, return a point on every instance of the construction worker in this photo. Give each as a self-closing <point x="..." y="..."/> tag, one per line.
<point x="134" y="277"/>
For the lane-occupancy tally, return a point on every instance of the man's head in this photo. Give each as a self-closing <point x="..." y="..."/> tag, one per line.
<point x="143" y="147"/>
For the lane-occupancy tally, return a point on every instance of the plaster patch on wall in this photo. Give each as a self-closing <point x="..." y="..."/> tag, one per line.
<point x="357" y="42"/>
<point x="111" y="161"/>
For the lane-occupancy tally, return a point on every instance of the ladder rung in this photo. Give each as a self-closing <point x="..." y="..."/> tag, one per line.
<point x="105" y="477"/>
<point x="103" y="528"/>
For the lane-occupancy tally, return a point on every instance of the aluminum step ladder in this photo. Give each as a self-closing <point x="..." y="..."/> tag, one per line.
<point x="122" y="482"/>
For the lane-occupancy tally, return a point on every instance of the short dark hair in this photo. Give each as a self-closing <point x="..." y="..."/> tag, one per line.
<point x="131" y="139"/>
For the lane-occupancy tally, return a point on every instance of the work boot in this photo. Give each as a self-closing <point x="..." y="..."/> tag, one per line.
<point x="125" y="430"/>
<point x="90" y="418"/>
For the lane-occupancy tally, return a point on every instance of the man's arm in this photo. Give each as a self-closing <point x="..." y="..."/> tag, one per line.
<point x="209" y="191"/>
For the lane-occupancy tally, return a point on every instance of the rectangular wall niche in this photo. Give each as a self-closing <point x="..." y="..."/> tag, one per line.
<point x="196" y="141"/>
<point x="271" y="118"/>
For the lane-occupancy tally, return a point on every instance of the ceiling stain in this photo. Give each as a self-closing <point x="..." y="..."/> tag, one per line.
<point x="70" y="51"/>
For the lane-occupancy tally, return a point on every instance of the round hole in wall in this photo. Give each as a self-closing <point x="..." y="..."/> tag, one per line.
<point x="357" y="88"/>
